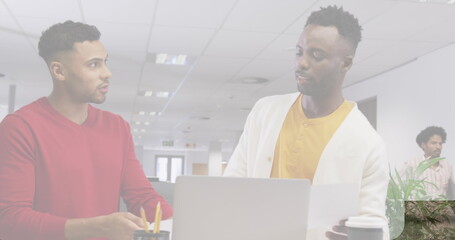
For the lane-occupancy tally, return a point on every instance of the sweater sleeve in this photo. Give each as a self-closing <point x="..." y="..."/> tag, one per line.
<point x="18" y="220"/>
<point x="136" y="190"/>
<point x="238" y="163"/>
<point x="373" y="190"/>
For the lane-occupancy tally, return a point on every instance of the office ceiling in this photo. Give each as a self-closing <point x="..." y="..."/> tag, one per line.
<point x="229" y="43"/>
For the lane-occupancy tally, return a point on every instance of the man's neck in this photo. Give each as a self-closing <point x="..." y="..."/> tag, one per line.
<point x="315" y="107"/>
<point x="75" y="112"/>
<point x="436" y="164"/>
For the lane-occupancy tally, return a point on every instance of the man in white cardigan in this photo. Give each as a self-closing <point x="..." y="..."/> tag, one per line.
<point x="315" y="133"/>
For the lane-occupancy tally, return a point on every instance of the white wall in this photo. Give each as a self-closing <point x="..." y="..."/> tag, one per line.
<point x="410" y="98"/>
<point x="3" y="111"/>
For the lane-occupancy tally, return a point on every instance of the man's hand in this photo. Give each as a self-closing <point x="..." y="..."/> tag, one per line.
<point x="339" y="231"/>
<point x="121" y="226"/>
<point x="116" y="226"/>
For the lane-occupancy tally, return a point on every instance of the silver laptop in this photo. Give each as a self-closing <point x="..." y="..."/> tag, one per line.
<point x="221" y="208"/>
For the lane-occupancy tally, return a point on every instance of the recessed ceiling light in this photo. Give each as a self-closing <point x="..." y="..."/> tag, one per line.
<point x="180" y="59"/>
<point x="137" y="123"/>
<point x="142" y="113"/>
<point x="254" y="80"/>
<point x="146" y="123"/>
<point x="148" y="93"/>
<point x="170" y="59"/>
<point x="135" y="130"/>
<point x="163" y="94"/>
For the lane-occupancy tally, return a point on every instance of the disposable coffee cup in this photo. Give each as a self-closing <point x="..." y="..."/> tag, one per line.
<point x="143" y="235"/>
<point x="365" y="228"/>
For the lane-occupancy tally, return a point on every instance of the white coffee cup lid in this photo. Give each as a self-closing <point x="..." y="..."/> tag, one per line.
<point x="365" y="222"/>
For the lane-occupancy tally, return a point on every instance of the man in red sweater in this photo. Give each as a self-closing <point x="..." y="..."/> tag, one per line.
<point x="64" y="164"/>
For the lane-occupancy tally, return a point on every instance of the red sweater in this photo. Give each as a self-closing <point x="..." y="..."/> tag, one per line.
<point x="52" y="169"/>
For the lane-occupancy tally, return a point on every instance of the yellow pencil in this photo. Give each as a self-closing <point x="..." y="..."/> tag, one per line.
<point x="144" y="219"/>
<point x="156" y="229"/>
<point x="159" y="220"/>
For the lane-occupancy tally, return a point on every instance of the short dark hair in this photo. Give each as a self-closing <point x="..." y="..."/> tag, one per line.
<point x="62" y="36"/>
<point x="346" y="24"/>
<point x="428" y="132"/>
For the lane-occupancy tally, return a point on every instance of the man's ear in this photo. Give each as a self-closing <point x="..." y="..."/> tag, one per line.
<point x="347" y="63"/>
<point x="57" y="71"/>
<point x="421" y="145"/>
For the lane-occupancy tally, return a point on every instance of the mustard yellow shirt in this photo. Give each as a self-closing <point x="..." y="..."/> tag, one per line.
<point x="302" y="140"/>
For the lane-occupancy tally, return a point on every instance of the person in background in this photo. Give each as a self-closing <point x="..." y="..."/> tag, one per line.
<point x="64" y="164"/>
<point x="439" y="175"/>
<point x="315" y="133"/>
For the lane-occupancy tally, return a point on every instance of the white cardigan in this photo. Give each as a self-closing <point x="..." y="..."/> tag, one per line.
<point x="355" y="153"/>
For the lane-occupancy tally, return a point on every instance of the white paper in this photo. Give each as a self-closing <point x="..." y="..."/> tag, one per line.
<point x="331" y="203"/>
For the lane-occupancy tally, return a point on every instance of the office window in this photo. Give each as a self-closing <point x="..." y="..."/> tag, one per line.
<point x="168" y="168"/>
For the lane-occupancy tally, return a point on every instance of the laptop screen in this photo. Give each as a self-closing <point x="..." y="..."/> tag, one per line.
<point x="221" y="208"/>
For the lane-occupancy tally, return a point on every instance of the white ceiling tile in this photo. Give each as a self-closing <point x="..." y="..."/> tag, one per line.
<point x="158" y="77"/>
<point x="193" y="13"/>
<point x="268" y="69"/>
<point x="265" y="15"/>
<point x="178" y="40"/>
<point x="124" y="37"/>
<point x="127" y="57"/>
<point x="361" y="72"/>
<point x="125" y="68"/>
<point x="406" y="19"/>
<point x="238" y="90"/>
<point x="5" y="18"/>
<point x="14" y="48"/>
<point x="401" y="52"/>
<point x="441" y="31"/>
<point x="150" y="104"/>
<point x="34" y="26"/>
<point x="215" y="70"/>
<point x="68" y="9"/>
<point x="202" y="98"/>
<point x="282" y="48"/>
<point x="363" y="10"/>
<point x="239" y="44"/>
<point x="368" y="47"/>
<point x="121" y="93"/>
<point x="283" y="85"/>
<point x="119" y="11"/>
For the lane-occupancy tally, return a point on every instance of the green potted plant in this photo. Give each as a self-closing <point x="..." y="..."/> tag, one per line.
<point x="411" y="219"/>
